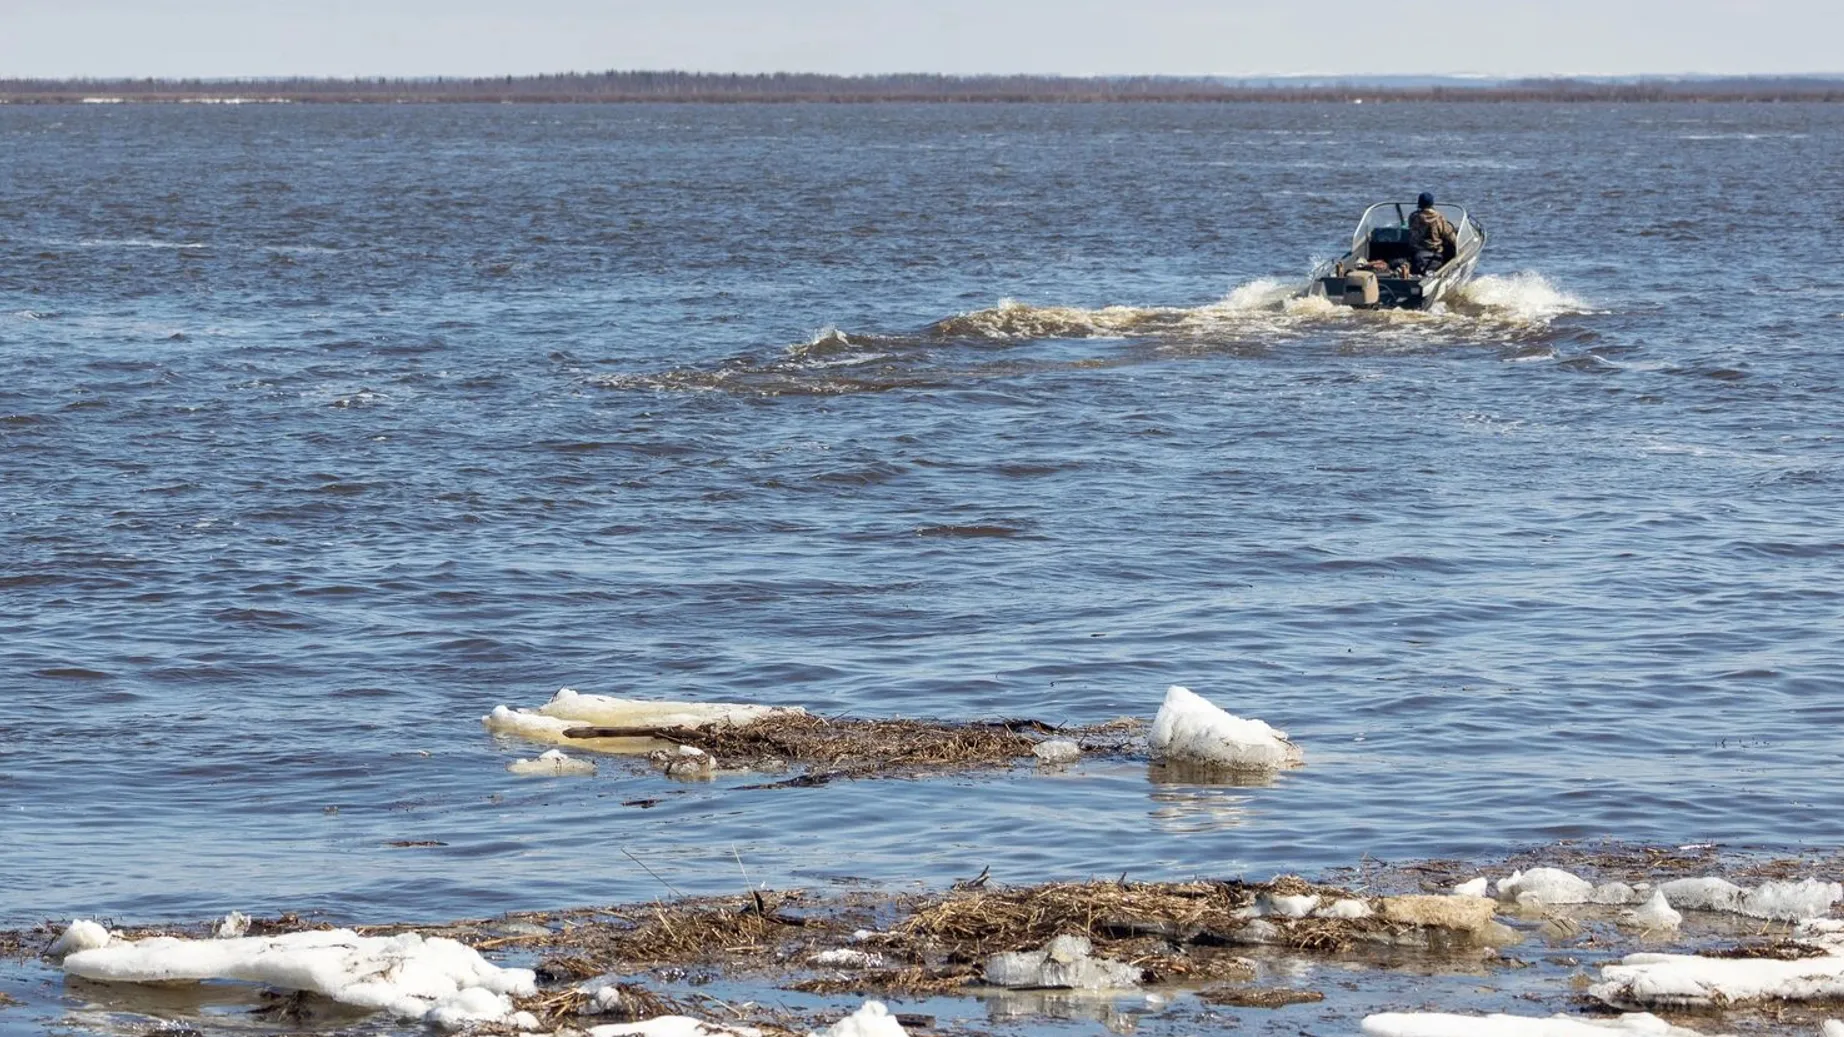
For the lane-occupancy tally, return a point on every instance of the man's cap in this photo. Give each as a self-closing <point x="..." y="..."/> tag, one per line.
<point x="1426" y="200"/>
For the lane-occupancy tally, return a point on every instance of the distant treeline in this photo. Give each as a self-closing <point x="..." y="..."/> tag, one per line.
<point x="596" y="87"/>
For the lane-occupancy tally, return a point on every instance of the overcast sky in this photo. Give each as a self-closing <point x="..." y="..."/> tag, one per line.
<point x="220" y="38"/>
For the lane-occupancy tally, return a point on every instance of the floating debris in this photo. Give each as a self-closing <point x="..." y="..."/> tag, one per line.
<point x="1190" y="730"/>
<point x="772" y="737"/>
<point x="1259" y="997"/>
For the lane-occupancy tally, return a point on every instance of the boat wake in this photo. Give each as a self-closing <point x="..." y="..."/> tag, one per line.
<point x="1017" y="338"/>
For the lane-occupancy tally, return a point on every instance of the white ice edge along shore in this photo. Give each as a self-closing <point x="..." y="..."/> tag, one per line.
<point x="433" y="980"/>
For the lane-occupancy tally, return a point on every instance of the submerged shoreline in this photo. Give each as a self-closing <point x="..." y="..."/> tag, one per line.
<point x="1346" y="946"/>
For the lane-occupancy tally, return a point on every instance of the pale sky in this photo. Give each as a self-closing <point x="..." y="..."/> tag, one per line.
<point x="235" y="38"/>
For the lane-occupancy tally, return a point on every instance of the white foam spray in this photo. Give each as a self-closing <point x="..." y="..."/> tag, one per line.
<point x="1524" y="296"/>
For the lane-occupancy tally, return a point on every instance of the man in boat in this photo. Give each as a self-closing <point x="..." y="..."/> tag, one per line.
<point x="1433" y="237"/>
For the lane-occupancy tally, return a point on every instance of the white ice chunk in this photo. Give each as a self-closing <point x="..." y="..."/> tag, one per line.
<point x="1704" y="894"/>
<point x="608" y="711"/>
<point x="1614" y="894"/>
<point x="1063" y="963"/>
<point x="570" y="709"/>
<point x="1057" y="750"/>
<point x="1288" y="907"/>
<point x="1791" y="901"/>
<point x="871" y="1020"/>
<point x="1832" y="1028"/>
<point x="524" y="723"/>
<point x="1545" y="886"/>
<point x="553" y="764"/>
<point x="1189" y="729"/>
<point x="232" y="926"/>
<point x="1345" y="908"/>
<point x="83" y="935"/>
<point x="1478" y="887"/>
<point x="1656" y="913"/>
<point x="408" y="976"/>
<point x="673" y="1026"/>
<point x="1441" y="1024"/>
<point x="1690" y="981"/>
<point x="847" y="958"/>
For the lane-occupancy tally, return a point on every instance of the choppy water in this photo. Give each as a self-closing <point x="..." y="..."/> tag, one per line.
<point x="324" y="430"/>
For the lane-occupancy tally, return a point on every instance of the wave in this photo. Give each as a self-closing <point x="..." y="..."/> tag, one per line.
<point x="1015" y="337"/>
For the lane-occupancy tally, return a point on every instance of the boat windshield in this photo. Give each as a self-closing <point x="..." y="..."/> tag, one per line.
<point x="1396" y="214"/>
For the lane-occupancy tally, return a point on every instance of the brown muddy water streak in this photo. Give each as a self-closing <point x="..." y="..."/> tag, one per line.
<point x="326" y="429"/>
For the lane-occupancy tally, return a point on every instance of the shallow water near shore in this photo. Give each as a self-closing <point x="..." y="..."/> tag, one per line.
<point x="327" y="429"/>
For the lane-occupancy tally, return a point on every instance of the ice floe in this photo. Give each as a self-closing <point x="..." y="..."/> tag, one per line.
<point x="1704" y="894"/>
<point x="1066" y="962"/>
<point x="552" y="764"/>
<point x="1346" y="908"/>
<point x="1479" y="887"/>
<point x="1442" y="1024"/>
<point x="569" y="710"/>
<point x="1057" y="750"/>
<point x="847" y="958"/>
<point x="1618" y="893"/>
<point x="1656" y="913"/>
<point x="872" y="1019"/>
<point x="434" y="980"/>
<point x="1189" y="729"/>
<point x="1694" y="981"/>
<point x="673" y="1026"/>
<point x="1773" y="900"/>
<point x="82" y="935"/>
<point x="1542" y="886"/>
<point x="232" y="926"/>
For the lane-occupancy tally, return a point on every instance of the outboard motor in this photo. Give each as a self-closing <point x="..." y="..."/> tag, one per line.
<point x="1361" y="289"/>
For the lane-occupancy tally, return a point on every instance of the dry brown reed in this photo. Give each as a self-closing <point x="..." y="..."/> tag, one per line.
<point x="854" y="747"/>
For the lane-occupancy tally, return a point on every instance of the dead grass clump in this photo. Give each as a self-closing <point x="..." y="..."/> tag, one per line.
<point x="915" y="981"/>
<point x="560" y="1007"/>
<point x="8" y="1001"/>
<point x="854" y="748"/>
<point x="1779" y="950"/>
<point x="1259" y="997"/>
<point x="734" y="932"/>
<point x="1202" y="966"/>
<point x="980" y="922"/>
<point x="866" y="745"/>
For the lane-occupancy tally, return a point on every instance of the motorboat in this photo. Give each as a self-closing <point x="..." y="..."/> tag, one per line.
<point x="1378" y="273"/>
